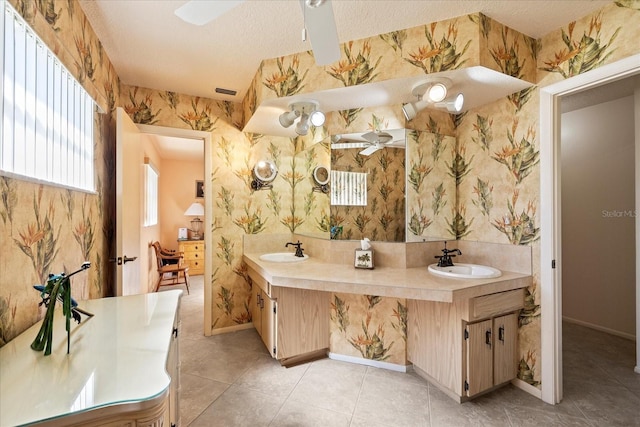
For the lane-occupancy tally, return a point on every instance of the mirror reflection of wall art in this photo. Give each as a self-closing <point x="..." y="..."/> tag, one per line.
<point x="364" y="258"/>
<point x="199" y="189"/>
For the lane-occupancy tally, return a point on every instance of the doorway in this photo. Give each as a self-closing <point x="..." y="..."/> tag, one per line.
<point x="207" y="199"/>
<point x="551" y="236"/>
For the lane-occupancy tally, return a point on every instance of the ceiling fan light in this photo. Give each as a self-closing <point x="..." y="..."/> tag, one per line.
<point x="287" y="118"/>
<point x="437" y="92"/>
<point x="317" y="118"/>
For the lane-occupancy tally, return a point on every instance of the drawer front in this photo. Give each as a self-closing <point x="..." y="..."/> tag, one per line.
<point x="495" y="304"/>
<point x="191" y="247"/>
<point x="195" y="267"/>
<point x="193" y="256"/>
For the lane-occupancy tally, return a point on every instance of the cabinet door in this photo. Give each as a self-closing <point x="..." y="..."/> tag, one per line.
<point x="256" y="311"/>
<point x="269" y="323"/>
<point x="505" y="361"/>
<point x="479" y="357"/>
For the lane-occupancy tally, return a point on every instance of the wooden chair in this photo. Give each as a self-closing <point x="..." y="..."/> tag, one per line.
<point x="171" y="271"/>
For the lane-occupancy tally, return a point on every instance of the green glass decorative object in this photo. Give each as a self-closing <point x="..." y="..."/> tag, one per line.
<point x="58" y="287"/>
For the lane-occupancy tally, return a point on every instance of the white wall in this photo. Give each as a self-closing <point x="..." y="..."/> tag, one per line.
<point x="598" y="216"/>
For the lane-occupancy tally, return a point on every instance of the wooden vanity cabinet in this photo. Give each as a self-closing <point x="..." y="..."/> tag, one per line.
<point x="489" y="353"/>
<point x="466" y="347"/>
<point x="264" y="311"/>
<point x="293" y="323"/>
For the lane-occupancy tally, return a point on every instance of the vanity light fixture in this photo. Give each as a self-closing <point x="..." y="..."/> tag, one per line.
<point x="308" y="114"/>
<point x="433" y="92"/>
<point x="453" y="104"/>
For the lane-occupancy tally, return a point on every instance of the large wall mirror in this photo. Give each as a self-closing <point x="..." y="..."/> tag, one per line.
<point x="393" y="185"/>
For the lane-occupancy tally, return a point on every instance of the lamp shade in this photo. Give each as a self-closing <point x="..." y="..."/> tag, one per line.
<point x="196" y="209"/>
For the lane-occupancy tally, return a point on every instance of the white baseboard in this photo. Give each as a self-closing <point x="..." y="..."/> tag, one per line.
<point x="600" y="328"/>
<point x="233" y="328"/>
<point x="525" y="386"/>
<point x="636" y="369"/>
<point x="368" y="362"/>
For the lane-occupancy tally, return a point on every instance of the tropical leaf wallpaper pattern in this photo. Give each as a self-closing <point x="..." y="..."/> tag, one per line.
<point x="47" y="229"/>
<point x="498" y="170"/>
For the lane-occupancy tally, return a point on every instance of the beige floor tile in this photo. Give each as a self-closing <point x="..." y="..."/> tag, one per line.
<point x="297" y="414"/>
<point x="208" y="359"/>
<point x="446" y="412"/>
<point x="267" y="376"/>
<point x="239" y="406"/>
<point x="605" y="405"/>
<point x="393" y="401"/>
<point x="196" y="394"/>
<point x="527" y="417"/>
<point x="331" y="385"/>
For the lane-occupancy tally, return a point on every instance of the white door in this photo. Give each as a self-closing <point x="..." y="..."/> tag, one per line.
<point x="128" y="187"/>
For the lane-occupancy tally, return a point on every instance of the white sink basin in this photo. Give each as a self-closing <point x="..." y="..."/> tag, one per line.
<point x="283" y="257"/>
<point x="465" y="271"/>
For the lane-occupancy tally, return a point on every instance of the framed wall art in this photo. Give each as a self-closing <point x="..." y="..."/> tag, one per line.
<point x="199" y="189"/>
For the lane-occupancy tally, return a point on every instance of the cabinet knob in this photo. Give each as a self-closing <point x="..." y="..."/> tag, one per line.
<point x="488" y="337"/>
<point x="501" y="333"/>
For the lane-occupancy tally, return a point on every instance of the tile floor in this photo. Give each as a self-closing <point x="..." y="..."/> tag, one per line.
<point x="230" y="380"/>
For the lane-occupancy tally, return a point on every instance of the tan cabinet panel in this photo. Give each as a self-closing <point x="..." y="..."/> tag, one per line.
<point x="505" y="360"/>
<point x="479" y="357"/>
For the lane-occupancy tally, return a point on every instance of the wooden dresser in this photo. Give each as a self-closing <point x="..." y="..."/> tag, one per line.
<point x="193" y="251"/>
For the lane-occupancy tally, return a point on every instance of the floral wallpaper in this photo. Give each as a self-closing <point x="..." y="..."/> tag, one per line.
<point x="431" y="186"/>
<point x="46" y="229"/>
<point x="495" y="162"/>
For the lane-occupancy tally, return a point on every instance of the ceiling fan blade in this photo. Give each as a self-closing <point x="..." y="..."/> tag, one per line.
<point x="370" y="136"/>
<point x="321" y="27"/>
<point x="198" y="12"/>
<point x="370" y="150"/>
<point x="344" y="145"/>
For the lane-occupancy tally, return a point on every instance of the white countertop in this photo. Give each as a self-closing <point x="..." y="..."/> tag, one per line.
<point x="117" y="356"/>
<point x="411" y="283"/>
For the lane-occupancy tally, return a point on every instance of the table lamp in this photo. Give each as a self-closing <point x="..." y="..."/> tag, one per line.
<point x="196" y="209"/>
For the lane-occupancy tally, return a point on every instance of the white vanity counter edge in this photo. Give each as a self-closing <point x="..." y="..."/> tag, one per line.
<point x="411" y="283"/>
<point x="117" y="357"/>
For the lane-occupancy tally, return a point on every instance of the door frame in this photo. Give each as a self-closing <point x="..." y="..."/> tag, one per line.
<point x="208" y="206"/>
<point x="550" y="216"/>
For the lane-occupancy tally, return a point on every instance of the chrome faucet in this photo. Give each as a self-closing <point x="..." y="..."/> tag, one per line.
<point x="444" y="260"/>
<point x="298" y="248"/>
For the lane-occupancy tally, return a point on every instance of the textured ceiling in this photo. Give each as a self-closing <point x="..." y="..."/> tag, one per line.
<point x="151" y="47"/>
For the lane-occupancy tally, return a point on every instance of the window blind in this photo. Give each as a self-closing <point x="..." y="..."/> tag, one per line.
<point x="47" y="116"/>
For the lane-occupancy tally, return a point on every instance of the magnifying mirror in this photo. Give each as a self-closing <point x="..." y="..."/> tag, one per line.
<point x="321" y="175"/>
<point x="264" y="172"/>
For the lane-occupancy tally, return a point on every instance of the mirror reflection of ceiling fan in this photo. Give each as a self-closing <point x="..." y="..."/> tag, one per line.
<point x="370" y="141"/>
<point x="319" y="23"/>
